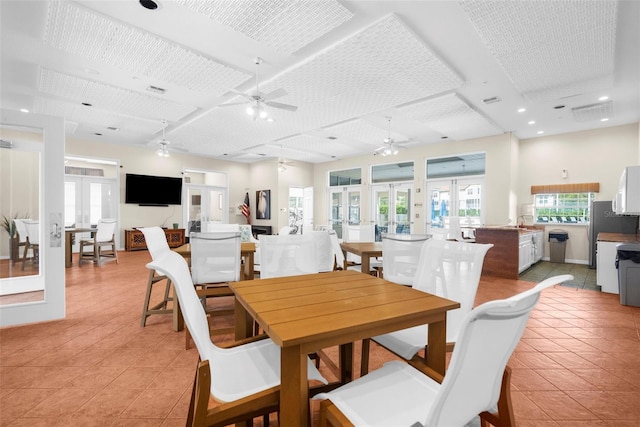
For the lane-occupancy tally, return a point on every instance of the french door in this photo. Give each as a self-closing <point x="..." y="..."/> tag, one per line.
<point x="344" y="208"/>
<point x="461" y="197"/>
<point x="392" y="208"/>
<point x="86" y="200"/>
<point x="205" y="205"/>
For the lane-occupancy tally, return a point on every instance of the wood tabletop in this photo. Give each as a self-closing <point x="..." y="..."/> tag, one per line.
<point x="303" y="314"/>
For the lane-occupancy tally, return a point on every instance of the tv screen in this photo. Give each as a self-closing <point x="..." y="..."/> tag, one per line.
<point x="149" y="190"/>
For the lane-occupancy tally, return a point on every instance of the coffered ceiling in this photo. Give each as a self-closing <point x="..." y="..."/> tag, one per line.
<point x="420" y="72"/>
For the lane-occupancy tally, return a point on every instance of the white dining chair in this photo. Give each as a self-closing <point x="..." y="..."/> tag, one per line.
<point x="156" y="241"/>
<point x="243" y="379"/>
<point x="476" y="382"/>
<point x="215" y="261"/>
<point x="287" y="255"/>
<point x="325" y="256"/>
<point x="360" y="233"/>
<point x="447" y="269"/>
<point x="104" y="236"/>
<point x="401" y="253"/>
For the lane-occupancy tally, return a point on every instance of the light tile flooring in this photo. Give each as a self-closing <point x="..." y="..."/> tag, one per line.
<point x="584" y="277"/>
<point x="578" y="363"/>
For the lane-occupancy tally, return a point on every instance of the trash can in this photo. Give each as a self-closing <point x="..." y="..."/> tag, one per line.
<point x="628" y="265"/>
<point x="557" y="245"/>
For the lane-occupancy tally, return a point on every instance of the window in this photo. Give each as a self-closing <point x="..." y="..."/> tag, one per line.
<point x="566" y="208"/>
<point x="345" y="177"/>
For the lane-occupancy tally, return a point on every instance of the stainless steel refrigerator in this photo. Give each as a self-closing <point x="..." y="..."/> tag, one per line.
<point x="605" y="220"/>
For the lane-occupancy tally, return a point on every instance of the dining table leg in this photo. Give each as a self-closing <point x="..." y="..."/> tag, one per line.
<point x="294" y="388"/>
<point x="243" y="321"/>
<point x="346" y="363"/>
<point x="437" y="345"/>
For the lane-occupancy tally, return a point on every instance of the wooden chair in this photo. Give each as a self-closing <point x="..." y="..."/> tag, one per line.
<point x="156" y="242"/>
<point x="215" y="261"/>
<point x="244" y="378"/>
<point x="21" y="237"/>
<point x="403" y="394"/>
<point x="104" y="237"/>
<point x="448" y="269"/>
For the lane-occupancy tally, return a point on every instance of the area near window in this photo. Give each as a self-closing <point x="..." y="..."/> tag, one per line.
<point x="563" y="203"/>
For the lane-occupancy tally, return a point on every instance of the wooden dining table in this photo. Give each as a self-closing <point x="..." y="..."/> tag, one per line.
<point x="365" y="250"/>
<point x="304" y="314"/>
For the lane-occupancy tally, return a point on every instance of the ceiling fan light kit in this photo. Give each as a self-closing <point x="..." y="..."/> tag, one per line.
<point x="389" y="148"/>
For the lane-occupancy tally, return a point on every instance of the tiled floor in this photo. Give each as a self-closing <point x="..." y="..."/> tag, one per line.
<point x="584" y="277"/>
<point x="578" y="363"/>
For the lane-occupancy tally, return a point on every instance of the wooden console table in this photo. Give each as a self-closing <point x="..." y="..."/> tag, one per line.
<point x="134" y="239"/>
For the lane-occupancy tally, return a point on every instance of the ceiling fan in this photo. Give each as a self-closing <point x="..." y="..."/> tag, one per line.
<point x="390" y="146"/>
<point x="282" y="165"/>
<point x="257" y="100"/>
<point x="163" y="150"/>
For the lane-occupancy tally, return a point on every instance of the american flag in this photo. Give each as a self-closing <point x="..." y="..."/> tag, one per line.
<point x="246" y="211"/>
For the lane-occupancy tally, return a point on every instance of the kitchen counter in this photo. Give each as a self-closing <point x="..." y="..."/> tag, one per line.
<point x="509" y="255"/>
<point x="606" y="253"/>
<point x="618" y="237"/>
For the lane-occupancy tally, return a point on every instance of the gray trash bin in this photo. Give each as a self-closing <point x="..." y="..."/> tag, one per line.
<point x="557" y="245"/>
<point x="628" y="265"/>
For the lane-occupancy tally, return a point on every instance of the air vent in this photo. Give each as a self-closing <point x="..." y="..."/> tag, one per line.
<point x="156" y="89"/>
<point x="492" y="100"/>
<point x="593" y="112"/>
<point x="5" y="144"/>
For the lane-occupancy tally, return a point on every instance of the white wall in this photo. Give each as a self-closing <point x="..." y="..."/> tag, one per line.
<point x="512" y="167"/>
<point x="589" y="156"/>
<point x="144" y="161"/>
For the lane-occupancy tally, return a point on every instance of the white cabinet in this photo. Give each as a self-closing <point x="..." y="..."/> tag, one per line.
<point x="538" y="245"/>
<point x="525" y="252"/>
<point x="607" y="273"/>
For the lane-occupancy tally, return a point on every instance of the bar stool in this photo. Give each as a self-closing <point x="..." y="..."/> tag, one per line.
<point x="157" y="244"/>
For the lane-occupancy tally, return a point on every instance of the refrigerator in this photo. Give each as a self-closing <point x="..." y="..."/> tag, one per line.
<point x="605" y="220"/>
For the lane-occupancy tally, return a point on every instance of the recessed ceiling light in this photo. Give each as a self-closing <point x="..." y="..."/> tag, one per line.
<point x="605" y="119"/>
<point x="332" y="137"/>
<point x="559" y="107"/>
<point x="444" y="137"/>
<point x="24" y="110"/>
<point x="86" y="104"/>
<point x="521" y="110"/>
<point x="113" y="128"/>
<point x="491" y="100"/>
<point x="156" y="89"/>
<point x="149" y="4"/>
<point x="531" y="122"/>
<point x="603" y="98"/>
<point x="97" y="134"/>
<point x="540" y="132"/>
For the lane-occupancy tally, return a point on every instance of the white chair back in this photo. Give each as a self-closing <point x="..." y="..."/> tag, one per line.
<point x="214" y="227"/>
<point x="156" y="241"/>
<point x="335" y="247"/>
<point x="287" y="255"/>
<point x="488" y="336"/>
<point x="324" y="252"/>
<point x="400" y="256"/>
<point x="215" y="257"/>
<point x="21" y="229"/>
<point x="105" y="230"/>
<point x="358" y="233"/>
<point x="285" y="230"/>
<point x="32" y="228"/>
<point x="451" y="270"/>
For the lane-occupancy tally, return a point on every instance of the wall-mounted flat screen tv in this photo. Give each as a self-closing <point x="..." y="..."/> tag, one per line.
<point x="147" y="190"/>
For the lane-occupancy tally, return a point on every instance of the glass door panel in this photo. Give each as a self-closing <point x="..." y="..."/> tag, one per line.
<point x="205" y="205"/>
<point x="392" y="209"/>
<point x="345" y="208"/>
<point x="455" y="197"/>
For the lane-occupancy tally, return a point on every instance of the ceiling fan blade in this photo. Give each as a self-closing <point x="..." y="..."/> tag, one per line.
<point x="184" y="150"/>
<point x="282" y="106"/>
<point x="278" y="93"/>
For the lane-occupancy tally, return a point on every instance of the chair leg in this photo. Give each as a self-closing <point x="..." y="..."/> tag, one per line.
<point x="199" y="403"/>
<point x="504" y="417"/>
<point x="364" y="357"/>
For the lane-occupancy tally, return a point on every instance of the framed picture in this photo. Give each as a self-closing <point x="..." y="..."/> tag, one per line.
<point x="263" y="204"/>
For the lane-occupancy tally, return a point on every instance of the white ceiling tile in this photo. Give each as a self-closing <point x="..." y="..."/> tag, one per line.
<point x="450" y="116"/>
<point x="550" y="49"/>
<point x="79" y="31"/>
<point x="111" y="98"/>
<point x="284" y="25"/>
